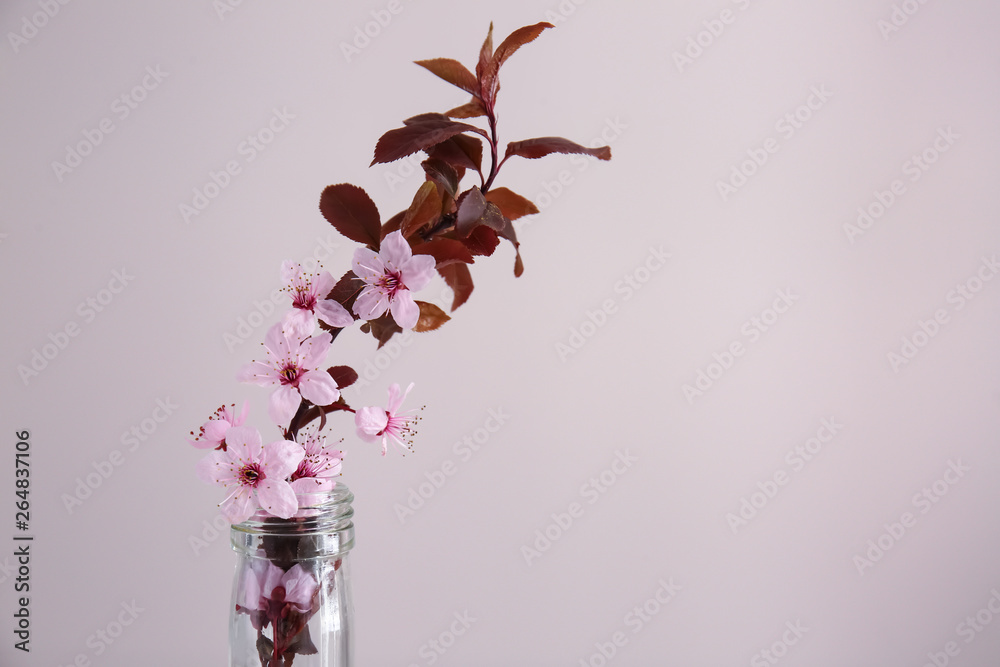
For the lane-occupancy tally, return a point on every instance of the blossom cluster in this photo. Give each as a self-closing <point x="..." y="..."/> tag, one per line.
<point x="273" y="476"/>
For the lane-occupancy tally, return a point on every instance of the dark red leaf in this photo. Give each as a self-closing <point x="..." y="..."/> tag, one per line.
<point x="518" y="264"/>
<point x="443" y="174"/>
<point x="352" y="212"/>
<point x="542" y="146"/>
<point x="383" y="328"/>
<point x="459" y="279"/>
<point x="346" y="291"/>
<point x="485" y="55"/>
<point x="511" y="204"/>
<point x="461" y="151"/>
<point x="344" y="376"/>
<point x="453" y="72"/>
<point x="471" y="109"/>
<point x="445" y="251"/>
<point x="419" y="135"/>
<point x="516" y="40"/>
<point x="482" y="241"/>
<point x="471" y="207"/>
<point x="431" y="317"/>
<point x="425" y="209"/>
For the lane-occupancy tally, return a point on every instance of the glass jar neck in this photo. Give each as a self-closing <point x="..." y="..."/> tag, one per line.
<point x="322" y="528"/>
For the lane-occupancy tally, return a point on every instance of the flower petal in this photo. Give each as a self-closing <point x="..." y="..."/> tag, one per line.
<point x="215" y="468"/>
<point x="243" y="444"/>
<point x="277" y="497"/>
<point x="367" y="265"/>
<point x="418" y="272"/>
<point x="371" y="303"/>
<point x="284" y="402"/>
<point x="370" y="422"/>
<point x="395" y="251"/>
<point x="334" y="314"/>
<point x="318" y="387"/>
<point x="299" y="587"/>
<point x="313" y="350"/>
<point x="280" y="459"/>
<point x="258" y="373"/>
<point x="298" y="323"/>
<point x="239" y="506"/>
<point x="306" y="485"/>
<point x="404" y="310"/>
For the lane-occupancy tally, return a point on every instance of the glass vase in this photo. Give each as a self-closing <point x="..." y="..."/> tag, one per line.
<point x="291" y="591"/>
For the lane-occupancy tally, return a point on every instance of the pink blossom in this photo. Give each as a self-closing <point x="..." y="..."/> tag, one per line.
<point x="212" y="434"/>
<point x="309" y="302"/>
<point x="320" y="465"/>
<point x="390" y="276"/>
<point x="292" y="364"/>
<point x="256" y="474"/>
<point x="261" y="583"/>
<point x="389" y="424"/>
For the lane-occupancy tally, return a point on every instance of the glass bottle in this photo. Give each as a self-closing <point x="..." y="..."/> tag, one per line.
<point x="291" y="591"/>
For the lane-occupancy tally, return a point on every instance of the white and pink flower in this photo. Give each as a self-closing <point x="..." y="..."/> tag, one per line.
<point x="319" y="466"/>
<point x="292" y="364"/>
<point x="212" y="434"/>
<point x="388" y="424"/>
<point x="255" y="474"/>
<point x="309" y="302"/>
<point x="390" y="275"/>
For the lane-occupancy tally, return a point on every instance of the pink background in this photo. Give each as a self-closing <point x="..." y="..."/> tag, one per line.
<point x="571" y="367"/>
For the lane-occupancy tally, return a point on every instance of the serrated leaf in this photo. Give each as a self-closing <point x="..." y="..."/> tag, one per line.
<point x="516" y="40"/>
<point x="418" y="135"/>
<point x="344" y="376"/>
<point x="542" y="146"/>
<point x="384" y="328"/>
<point x="471" y="207"/>
<point x="453" y="72"/>
<point x="471" y="109"/>
<point x="445" y="251"/>
<point x="485" y="54"/>
<point x="352" y="213"/>
<point x="424" y="209"/>
<point x="459" y="279"/>
<point x="511" y="204"/>
<point x="482" y="241"/>
<point x="431" y="317"/>
<point x="461" y="151"/>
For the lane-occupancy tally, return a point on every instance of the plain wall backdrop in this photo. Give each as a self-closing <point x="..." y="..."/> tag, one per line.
<point x="756" y="349"/>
